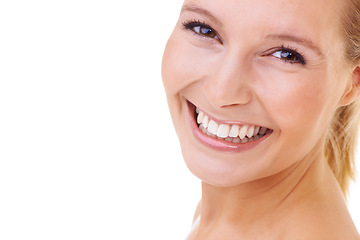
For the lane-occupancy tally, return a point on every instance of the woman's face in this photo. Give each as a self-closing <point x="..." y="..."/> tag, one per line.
<point x="266" y="77"/>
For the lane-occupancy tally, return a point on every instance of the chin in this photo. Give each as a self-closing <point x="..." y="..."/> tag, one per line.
<point x="216" y="170"/>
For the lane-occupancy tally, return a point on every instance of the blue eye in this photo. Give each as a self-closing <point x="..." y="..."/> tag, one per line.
<point x="289" y="55"/>
<point x="206" y="31"/>
<point x="201" y="29"/>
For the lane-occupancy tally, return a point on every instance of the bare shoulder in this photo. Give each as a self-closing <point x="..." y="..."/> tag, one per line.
<point x="332" y="229"/>
<point x="325" y="230"/>
<point x="197" y="211"/>
<point x="318" y="228"/>
<point x="195" y="222"/>
<point x="325" y="221"/>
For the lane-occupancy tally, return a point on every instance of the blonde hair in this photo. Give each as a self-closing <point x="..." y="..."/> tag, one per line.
<point x="341" y="143"/>
<point x="342" y="138"/>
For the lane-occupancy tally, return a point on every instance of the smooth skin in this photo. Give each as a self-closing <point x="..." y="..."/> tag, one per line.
<point x="278" y="64"/>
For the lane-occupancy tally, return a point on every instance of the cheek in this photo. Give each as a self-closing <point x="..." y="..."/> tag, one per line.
<point x="183" y="64"/>
<point x="175" y="67"/>
<point x="179" y="68"/>
<point x="301" y="102"/>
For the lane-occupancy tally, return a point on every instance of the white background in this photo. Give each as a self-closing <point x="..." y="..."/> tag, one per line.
<point x="87" y="148"/>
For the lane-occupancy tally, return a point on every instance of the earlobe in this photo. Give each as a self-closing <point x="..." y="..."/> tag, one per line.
<point x="353" y="91"/>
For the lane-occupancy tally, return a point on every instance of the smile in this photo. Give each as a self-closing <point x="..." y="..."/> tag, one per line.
<point x="225" y="136"/>
<point x="231" y="133"/>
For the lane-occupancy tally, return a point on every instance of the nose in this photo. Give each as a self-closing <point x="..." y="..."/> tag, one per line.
<point x="229" y="83"/>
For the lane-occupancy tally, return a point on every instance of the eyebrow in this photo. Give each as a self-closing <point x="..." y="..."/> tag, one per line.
<point x="201" y="11"/>
<point x="283" y="37"/>
<point x="299" y="40"/>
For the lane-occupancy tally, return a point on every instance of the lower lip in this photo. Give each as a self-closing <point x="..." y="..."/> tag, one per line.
<point x="219" y="144"/>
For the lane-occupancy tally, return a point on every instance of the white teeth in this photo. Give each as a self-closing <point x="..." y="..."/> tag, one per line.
<point x="256" y="131"/>
<point x="243" y="132"/>
<point x="210" y="134"/>
<point x="205" y="121"/>
<point x="250" y="131"/>
<point x="234" y="131"/>
<point x="201" y="127"/>
<point x="245" y="140"/>
<point x="200" y="117"/>
<point x="223" y="130"/>
<point x="213" y="127"/>
<point x="197" y="110"/>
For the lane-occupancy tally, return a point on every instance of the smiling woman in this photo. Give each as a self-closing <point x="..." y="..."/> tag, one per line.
<point x="263" y="97"/>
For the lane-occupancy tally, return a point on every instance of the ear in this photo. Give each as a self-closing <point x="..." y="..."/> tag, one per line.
<point x="353" y="89"/>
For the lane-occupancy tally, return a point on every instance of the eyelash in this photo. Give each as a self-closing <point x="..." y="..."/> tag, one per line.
<point x="190" y="25"/>
<point x="300" y="57"/>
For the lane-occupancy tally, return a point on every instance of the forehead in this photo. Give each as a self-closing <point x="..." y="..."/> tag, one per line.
<point x="317" y="19"/>
<point x="242" y="7"/>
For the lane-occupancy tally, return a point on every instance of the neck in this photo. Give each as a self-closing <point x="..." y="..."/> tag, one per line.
<point x="261" y="203"/>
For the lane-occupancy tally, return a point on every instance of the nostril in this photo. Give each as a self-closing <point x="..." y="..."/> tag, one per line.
<point x="223" y="95"/>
